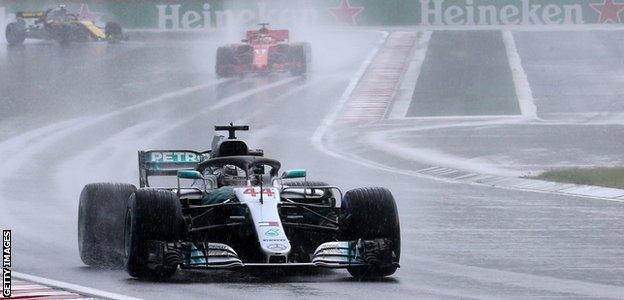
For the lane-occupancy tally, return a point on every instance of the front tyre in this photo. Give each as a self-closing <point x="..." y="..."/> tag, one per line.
<point x="15" y="33"/>
<point x="153" y="217"/>
<point x="100" y="223"/>
<point x="371" y="214"/>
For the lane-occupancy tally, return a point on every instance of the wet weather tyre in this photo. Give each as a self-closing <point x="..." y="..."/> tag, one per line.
<point x="153" y="217"/>
<point x="101" y="222"/>
<point x="15" y="33"/>
<point x="371" y="214"/>
<point x="299" y="60"/>
<point x="225" y="59"/>
<point x="113" y="31"/>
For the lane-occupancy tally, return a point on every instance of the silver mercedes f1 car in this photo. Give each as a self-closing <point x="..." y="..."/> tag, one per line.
<point x="230" y="207"/>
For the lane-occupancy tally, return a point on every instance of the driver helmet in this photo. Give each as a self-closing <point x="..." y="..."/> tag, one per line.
<point x="226" y="174"/>
<point x="230" y="170"/>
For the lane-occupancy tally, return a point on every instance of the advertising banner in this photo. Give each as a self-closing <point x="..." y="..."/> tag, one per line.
<point x="202" y="14"/>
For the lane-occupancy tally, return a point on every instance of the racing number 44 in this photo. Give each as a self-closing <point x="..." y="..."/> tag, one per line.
<point x="254" y="193"/>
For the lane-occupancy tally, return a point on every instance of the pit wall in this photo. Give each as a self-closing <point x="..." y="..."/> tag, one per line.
<point x="203" y="14"/>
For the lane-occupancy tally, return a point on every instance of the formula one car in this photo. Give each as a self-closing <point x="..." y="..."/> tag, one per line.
<point x="57" y="24"/>
<point x="263" y="51"/>
<point x="235" y="211"/>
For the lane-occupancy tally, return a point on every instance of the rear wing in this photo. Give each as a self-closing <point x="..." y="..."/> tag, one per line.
<point x="279" y="35"/>
<point x="30" y="14"/>
<point x="167" y="163"/>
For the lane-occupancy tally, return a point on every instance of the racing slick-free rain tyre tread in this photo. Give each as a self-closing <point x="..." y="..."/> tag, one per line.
<point x="100" y="223"/>
<point x="368" y="214"/>
<point x="15" y="33"/>
<point x="152" y="215"/>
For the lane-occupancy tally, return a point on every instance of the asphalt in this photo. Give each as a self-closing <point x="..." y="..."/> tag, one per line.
<point x="68" y="122"/>
<point x="452" y="76"/>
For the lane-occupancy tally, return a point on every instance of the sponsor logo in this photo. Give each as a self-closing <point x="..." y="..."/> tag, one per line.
<point x="175" y="16"/>
<point x="6" y="263"/>
<point x="174" y="157"/>
<point x="334" y="251"/>
<point x="277" y="247"/>
<point x="268" y="223"/>
<point x="609" y="11"/>
<point x="329" y="245"/>
<point x="274" y="240"/>
<point x="273" y="232"/>
<point x="216" y="246"/>
<point x="345" y="13"/>
<point x="518" y="12"/>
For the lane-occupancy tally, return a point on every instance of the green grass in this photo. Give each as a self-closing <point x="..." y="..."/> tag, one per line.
<point x="608" y="177"/>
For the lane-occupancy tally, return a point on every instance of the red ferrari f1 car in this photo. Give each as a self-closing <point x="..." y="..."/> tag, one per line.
<point x="263" y="51"/>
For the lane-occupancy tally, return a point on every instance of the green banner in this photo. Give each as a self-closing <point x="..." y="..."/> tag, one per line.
<point x="201" y="14"/>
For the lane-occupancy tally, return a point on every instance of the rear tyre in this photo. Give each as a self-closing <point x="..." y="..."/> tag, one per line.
<point x="371" y="214"/>
<point x="15" y="33"/>
<point x="153" y="217"/>
<point x="101" y="222"/>
<point x="225" y="61"/>
<point x="113" y="31"/>
<point x="298" y="59"/>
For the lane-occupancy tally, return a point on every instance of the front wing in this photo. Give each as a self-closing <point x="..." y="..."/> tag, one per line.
<point x="339" y="254"/>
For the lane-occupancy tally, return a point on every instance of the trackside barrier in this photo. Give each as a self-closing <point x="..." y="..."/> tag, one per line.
<point x="203" y="14"/>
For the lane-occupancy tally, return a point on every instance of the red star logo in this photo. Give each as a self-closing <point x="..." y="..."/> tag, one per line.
<point x="345" y="13"/>
<point x="609" y="11"/>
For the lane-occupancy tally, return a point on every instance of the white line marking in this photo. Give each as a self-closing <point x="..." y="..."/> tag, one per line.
<point x="72" y="287"/>
<point x="403" y="98"/>
<point x="521" y="81"/>
<point x="318" y="135"/>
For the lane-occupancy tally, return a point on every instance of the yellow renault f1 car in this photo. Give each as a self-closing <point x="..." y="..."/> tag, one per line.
<point x="60" y="25"/>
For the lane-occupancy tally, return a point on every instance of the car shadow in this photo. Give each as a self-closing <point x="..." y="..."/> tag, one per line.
<point x="247" y="276"/>
<point x="264" y="276"/>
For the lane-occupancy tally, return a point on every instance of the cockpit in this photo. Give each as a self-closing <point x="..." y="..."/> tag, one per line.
<point x="59" y="14"/>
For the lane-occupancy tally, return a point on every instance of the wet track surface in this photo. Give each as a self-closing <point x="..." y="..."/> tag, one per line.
<point x="79" y="114"/>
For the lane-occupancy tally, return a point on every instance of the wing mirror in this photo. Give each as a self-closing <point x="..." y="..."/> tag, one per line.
<point x="295" y="173"/>
<point x="189" y="174"/>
